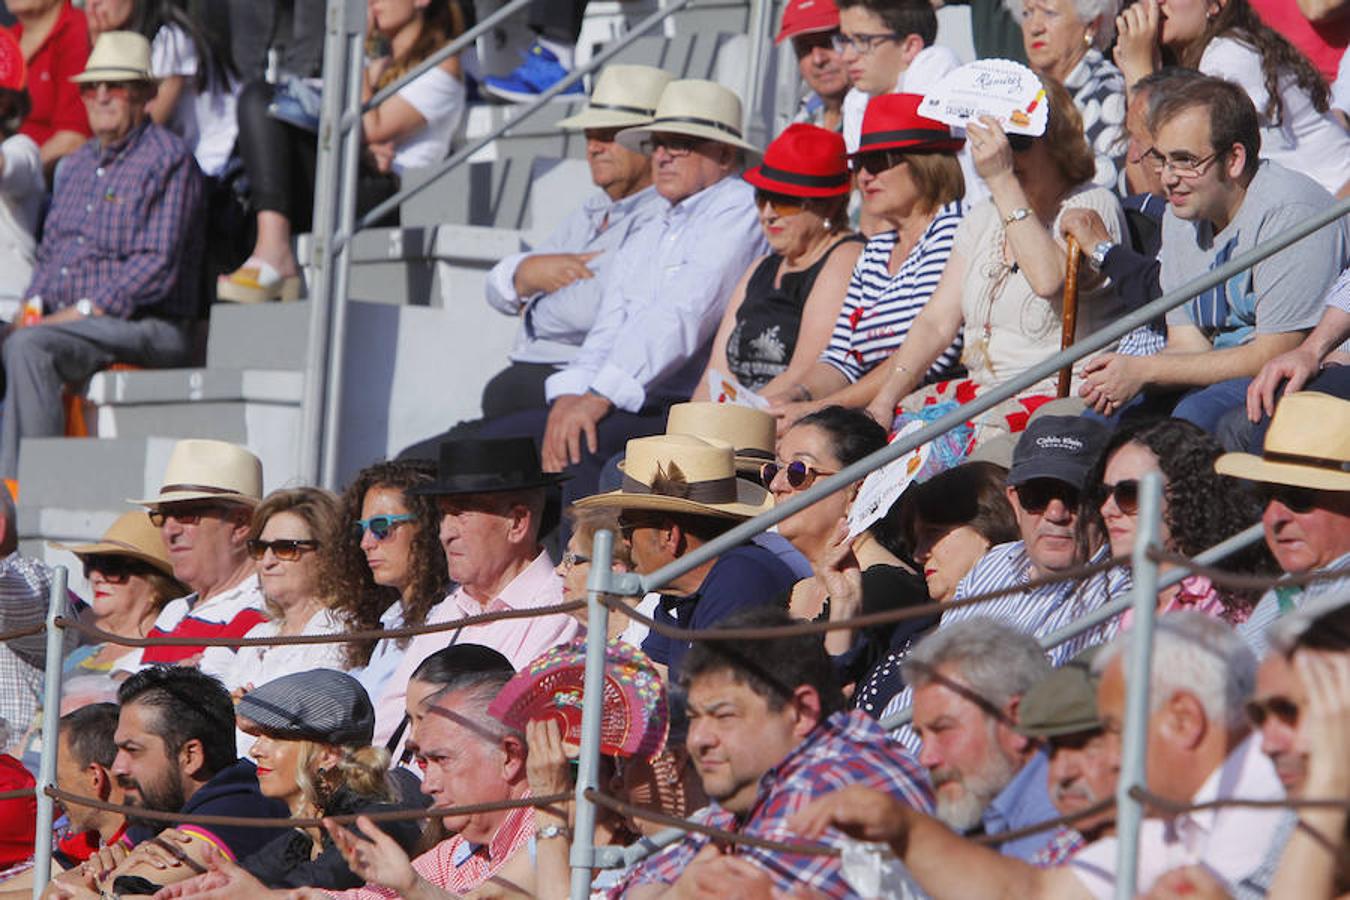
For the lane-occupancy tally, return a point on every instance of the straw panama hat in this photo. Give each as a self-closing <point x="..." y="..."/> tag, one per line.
<point x="624" y="96"/>
<point x="209" y="470"/>
<point x="1307" y="445"/>
<point x="697" y="108"/>
<point x="752" y="433"/>
<point x="131" y="535"/>
<point x="679" y="473"/>
<point x="118" y="56"/>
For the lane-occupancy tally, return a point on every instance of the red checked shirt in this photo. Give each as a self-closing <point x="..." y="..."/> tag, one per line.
<point x="847" y="748"/>
<point x="56" y="99"/>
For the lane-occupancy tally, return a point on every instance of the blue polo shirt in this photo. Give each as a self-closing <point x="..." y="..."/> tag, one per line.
<point x="1023" y="801"/>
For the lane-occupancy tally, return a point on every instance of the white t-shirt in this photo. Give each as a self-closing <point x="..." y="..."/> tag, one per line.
<point x="206" y="122"/>
<point x="21" y="189"/>
<point x="1306" y="141"/>
<point x="439" y="97"/>
<point x="1340" y="89"/>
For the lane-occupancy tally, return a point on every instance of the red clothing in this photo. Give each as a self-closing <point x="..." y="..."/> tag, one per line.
<point x="1322" y="42"/>
<point x="18" y="817"/>
<point x="56" y="101"/>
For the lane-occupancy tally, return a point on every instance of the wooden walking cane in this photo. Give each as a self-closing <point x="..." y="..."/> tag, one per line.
<point x="1075" y="256"/>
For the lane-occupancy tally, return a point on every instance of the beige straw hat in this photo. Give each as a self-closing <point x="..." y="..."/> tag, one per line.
<point x="752" y="433"/>
<point x="118" y="56"/>
<point x="1307" y="445"/>
<point x="697" y="108"/>
<point x="624" y="96"/>
<point x="209" y="470"/>
<point x="131" y="535"/>
<point x="680" y="473"/>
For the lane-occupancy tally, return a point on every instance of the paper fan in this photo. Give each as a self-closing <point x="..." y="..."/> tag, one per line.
<point x="634" y="721"/>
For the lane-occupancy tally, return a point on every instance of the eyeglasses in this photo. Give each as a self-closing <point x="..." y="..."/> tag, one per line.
<point x="797" y="473"/>
<point x="782" y="205"/>
<point x="114" y="88"/>
<point x="571" y="560"/>
<point x="1282" y="708"/>
<point x="115" y="569"/>
<point x="284" y="549"/>
<point x="862" y="44"/>
<point x="183" y="515"/>
<point x="676" y="146"/>
<point x="1299" y="500"/>
<point x="1185" y="165"/>
<point x="1037" y="494"/>
<point x="878" y="161"/>
<point x="380" y="526"/>
<point x="1126" y="494"/>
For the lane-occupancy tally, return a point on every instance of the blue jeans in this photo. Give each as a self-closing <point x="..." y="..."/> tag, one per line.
<point x="1207" y="405"/>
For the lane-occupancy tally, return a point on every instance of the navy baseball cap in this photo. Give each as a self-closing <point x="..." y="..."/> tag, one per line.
<point x="1059" y="447"/>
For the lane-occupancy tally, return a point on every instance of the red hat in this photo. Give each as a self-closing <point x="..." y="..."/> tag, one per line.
<point x="13" y="72"/>
<point x="803" y="161"/>
<point x="18" y="816"/>
<point x="892" y="122"/>
<point x="807" y="16"/>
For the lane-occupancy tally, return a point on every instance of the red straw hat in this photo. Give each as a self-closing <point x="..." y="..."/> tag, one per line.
<point x="807" y="16"/>
<point x="634" y="718"/>
<point x="892" y="122"/>
<point x="803" y="161"/>
<point x="13" y="72"/>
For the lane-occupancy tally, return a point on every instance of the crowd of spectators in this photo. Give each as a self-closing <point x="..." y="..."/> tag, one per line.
<point x="963" y="744"/>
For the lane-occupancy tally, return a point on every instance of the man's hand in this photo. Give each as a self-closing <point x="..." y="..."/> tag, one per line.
<point x="1110" y="381"/>
<point x="379" y="860"/>
<point x="1293" y="369"/>
<point x="858" y="811"/>
<point x="68" y="314"/>
<point x="714" y="875"/>
<point x="544" y="273"/>
<point x="1084" y="226"/>
<point x="571" y="417"/>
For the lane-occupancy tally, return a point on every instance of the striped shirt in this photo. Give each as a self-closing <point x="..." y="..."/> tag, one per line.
<point x="228" y="614"/>
<point x="1283" y="599"/>
<point x="880" y="307"/>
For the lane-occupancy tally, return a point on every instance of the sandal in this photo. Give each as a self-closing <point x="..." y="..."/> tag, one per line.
<point x="257" y="282"/>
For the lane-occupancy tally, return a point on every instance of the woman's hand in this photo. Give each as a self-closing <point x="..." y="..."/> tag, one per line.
<point x="989" y="148"/>
<point x="1326" y="679"/>
<point x="838" y="570"/>
<point x="222" y="880"/>
<point x="787" y="413"/>
<point x="1138" y="52"/>
<point x="377" y="858"/>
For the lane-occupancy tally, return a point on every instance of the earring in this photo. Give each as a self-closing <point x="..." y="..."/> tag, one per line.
<point x="1087" y="40"/>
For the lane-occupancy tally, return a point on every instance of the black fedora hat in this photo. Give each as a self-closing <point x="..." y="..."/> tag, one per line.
<point x="484" y="466"/>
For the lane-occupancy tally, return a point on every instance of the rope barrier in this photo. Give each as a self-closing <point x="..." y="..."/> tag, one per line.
<point x="398" y="815"/>
<point x="1017" y="834"/>
<point x="7" y="636"/>
<point x="17" y="793"/>
<point x="1173" y="808"/>
<point x="1239" y="581"/>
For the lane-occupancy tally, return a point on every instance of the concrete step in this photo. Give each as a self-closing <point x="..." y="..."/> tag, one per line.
<point x="531" y="197"/>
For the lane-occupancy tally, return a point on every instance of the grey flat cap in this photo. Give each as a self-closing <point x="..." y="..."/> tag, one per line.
<point x="319" y="705"/>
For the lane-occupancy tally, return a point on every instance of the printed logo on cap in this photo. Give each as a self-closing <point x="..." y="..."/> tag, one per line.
<point x="1058" y="442"/>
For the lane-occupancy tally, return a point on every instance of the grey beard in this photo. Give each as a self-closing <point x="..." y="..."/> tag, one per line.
<point x="965" y="812"/>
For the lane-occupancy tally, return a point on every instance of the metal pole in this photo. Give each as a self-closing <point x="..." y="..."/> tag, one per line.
<point x="521" y="115"/>
<point x="341" y="274"/>
<point x="341" y="15"/>
<point x="1129" y="811"/>
<point x="51" y="719"/>
<point x="754" y="66"/>
<point x="588" y="769"/>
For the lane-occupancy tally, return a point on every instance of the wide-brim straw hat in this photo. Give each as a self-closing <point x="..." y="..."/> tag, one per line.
<point x="623" y="97"/>
<point x="752" y="433"/>
<point x="679" y="473"/>
<point x="201" y="469"/>
<point x="1307" y="445"/>
<point x="118" y="56"/>
<point x="804" y="161"/>
<point x="696" y="108"/>
<point x="893" y="122"/>
<point x="132" y="535"/>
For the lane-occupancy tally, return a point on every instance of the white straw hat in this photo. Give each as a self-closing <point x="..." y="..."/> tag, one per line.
<point x="118" y="56"/>
<point x="679" y="473"/>
<point x="209" y="470"/>
<point x="1307" y="445"/>
<point x="697" y="108"/>
<point x="624" y="96"/>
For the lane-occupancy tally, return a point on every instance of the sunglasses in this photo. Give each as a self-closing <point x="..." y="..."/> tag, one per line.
<point x="630" y="522"/>
<point x="380" y="526"/>
<point x="184" y="515"/>
<point x="1020" y="143"/>
<point x="782" y="205"/>
<point x="674" y="146"/>
<point x="114" y="569"/>
<point x="1037" y="494"/>
<point x="878" y="161"/>
<point x="1125" y="493"/>
<point x="797" y="473"/>
<point x="285" y="550"/>
<point x="1281" y="708"/>
<point x="1299" y="500"/>
<point x="114" y="88"/>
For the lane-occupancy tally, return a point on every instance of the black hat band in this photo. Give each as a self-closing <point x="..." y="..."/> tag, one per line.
<point x="694" y="120"/>
<point x="1298" y="459"/>
<point x="815" y="181"/>
<point x="920" y="135"/>
<point x="717" y="490"/>
<point x="619" y="107"/>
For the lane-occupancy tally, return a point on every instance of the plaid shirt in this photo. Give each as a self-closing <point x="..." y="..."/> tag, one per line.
<point x="125" y="229"/>
<point x="848" y="748"/>
<point x="25" y="585"/>
<point x="1064" y="843"/>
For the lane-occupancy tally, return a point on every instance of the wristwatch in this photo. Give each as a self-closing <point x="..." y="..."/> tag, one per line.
<point x="85" y="307"/>
<point x="1098" y="254"/>
<point x="552" y="831"/>
<point x="1016" y="215"/>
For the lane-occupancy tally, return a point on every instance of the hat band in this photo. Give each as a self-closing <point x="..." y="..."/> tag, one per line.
<point x="718" y="490"/>
<point x="924" y="135"/>
<point x="619" y="107"/>
<point x="101" y="70"/>
<point x="198" y="488"/>
<point x="755" y="452"/>
<point x="1298" y="459"/>
<point x="694" y="120"/>
<point x="820" y="181"/>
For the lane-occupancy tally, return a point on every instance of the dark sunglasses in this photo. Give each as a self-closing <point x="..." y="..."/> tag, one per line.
<point x="1281" y="708"/>
<point x="114" y="88"/>
<point x="184" y="515"/>
<point x="1036" y="494"/>
<point x="1297" y="500"/>
<point x="878" y="161"/>
<point x="798" y="473"/>
<point x="285" y="550"/>
<point x="114" y="569"/>
<point x="781" y="204"/>
<point x="1020" y="143"/>
<point x="1126" y="494"/>
<point x="380" y="526"/>
<point x="630" y="522"/>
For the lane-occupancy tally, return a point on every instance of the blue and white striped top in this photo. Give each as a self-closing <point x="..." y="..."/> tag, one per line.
<point x="880" y="307"/>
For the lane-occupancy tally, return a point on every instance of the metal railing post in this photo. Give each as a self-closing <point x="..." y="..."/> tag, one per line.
<point x="588" y="769"/>
<point x="1129" y="811"/>
<point x="761" y="13"/>
<point x="344" y="18"/>
<point x="51" y="719"/>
